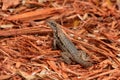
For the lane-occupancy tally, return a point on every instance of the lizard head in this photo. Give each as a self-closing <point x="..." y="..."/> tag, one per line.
<point x="52" y="24"/>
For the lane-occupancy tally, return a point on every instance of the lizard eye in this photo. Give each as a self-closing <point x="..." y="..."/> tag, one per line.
<point x="52" y="23"/>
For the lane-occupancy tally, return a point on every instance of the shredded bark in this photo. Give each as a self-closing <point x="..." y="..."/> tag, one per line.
<point x="26" y="50"/>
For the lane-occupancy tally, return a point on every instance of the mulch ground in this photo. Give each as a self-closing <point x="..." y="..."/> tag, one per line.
<point x="26" y="50"/>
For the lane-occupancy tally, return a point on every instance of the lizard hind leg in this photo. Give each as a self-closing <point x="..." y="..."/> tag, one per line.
<point x="66" y="57"/>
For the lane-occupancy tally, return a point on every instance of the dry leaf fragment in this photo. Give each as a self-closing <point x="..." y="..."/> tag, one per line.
<point x="47" y="73"/>
<point x="75" y="24"/>
<point x="26" y="75"/>
<point x="7" y="26"/>
<point x="85" y="16"/>
<point x="42" y="74"/>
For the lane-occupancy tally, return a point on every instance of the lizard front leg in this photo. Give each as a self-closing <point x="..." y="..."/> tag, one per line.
<point x="54" y="42"/>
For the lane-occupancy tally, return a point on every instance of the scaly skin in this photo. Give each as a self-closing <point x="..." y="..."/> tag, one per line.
<point x="70" y="52"/>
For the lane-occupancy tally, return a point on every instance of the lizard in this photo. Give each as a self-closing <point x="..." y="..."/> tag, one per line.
<point x="70" y="52"/>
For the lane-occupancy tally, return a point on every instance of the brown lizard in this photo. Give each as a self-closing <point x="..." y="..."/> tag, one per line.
<point x="70" y="52"/>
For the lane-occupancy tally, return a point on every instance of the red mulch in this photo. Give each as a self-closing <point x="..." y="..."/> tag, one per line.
<point x="26" y="40"/>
